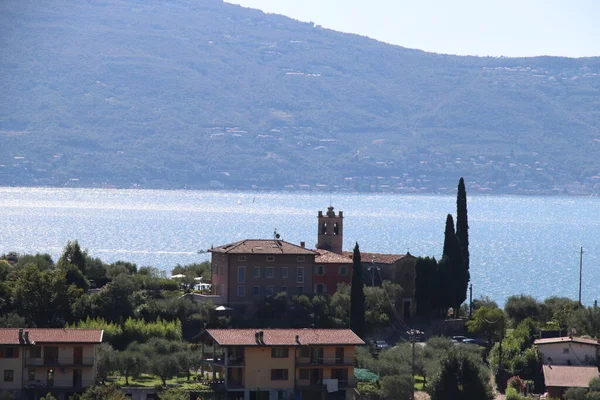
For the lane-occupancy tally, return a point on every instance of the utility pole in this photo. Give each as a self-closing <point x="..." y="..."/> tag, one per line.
<point x="412" y="340"/>
<point x="470" y="300"/>
<point x="580" y="272"/>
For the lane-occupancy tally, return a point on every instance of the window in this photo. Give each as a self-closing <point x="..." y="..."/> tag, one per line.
<point x="31" y="375"/>
<point x="8" y="375"/>
<point x="9" y="352"/>
<point x="222" y="270"/>
<point x="241" y="274"/>
<point x="241" y="258"/>
<point x="284" y="289"/>
<point x="299" y="290"/>
<point x="566" y="350"/>
<point x="319" y="288"/>
<point x="215" y="268"/>
<point x="269" y="291"/>
<point x="35" y="352"/>
<point x="304" y="352"/>
<point x="300" y="275"/>
<point x="284" y="272"/>
<point x="300" y="258"/>
<point x="270" y="272"/>
<point x="343" y="271"/>
<point x="339" y="374"/>
<point x="320" y="270"/>
<point x="256" y="272"/>
<point x="339" y="355"/>
<point x="222" y="285"/>
<point x="257" y="290"/>
<point x="270" y="258"/>
<point x="304" y="374"/>
<point x="279" y="352"/>
<point x="279" y="374"/>
<point x="241" y="291"/>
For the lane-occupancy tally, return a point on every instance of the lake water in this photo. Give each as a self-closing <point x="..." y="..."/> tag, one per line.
<point x="518" y="244"/>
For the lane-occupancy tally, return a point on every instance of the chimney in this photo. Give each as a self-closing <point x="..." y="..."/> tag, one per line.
<point x="298" y="339"/>
<point x="303" y="244"/>
<point x="257" y="337"/>
<point x="261" y="337"/>
<point x="26" y="335"/>
<point x="20" y="335"/>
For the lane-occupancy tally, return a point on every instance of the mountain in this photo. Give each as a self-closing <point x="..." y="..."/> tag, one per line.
<point x="195" y="94"/>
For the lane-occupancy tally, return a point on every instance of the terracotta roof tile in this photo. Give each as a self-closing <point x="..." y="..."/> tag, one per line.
<point x="567" y="339"/>
<point x="569" y="375"/>
<point x="285" y="337"/>
<point x="258" y="246"/>
<point x="328" y="257"/>
<point x="378" y="258"/>
<point x="11" y="335"/>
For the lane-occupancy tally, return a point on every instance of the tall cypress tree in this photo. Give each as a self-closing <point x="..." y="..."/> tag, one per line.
<point x="453" y="267"/>
<point x="462" y="233"/>
<point x="357" y="295"/>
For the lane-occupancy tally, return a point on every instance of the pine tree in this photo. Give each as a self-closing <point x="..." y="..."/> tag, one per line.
<point x="357" y="295"/>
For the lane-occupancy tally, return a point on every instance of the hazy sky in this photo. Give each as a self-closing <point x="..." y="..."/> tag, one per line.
<point x="475" y="27"/>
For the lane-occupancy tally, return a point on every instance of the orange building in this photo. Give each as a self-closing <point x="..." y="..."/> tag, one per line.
<point x="38" y="361"/>
<point x="273" y="364"/>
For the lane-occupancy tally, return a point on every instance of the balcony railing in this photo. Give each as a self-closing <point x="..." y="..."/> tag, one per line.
<point x="60" y="362"/>
<point x="320" y="384"/>
<point x="324" y="361"/>
<point x="60" y="383"/>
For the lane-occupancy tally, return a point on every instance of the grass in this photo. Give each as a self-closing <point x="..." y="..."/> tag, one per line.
<point x="150" y="381"/>
<point x="419" y="382"/>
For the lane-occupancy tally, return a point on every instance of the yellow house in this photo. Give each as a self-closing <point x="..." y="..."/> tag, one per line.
<point x="281" y="364"/>
<point x="39" y="361"/>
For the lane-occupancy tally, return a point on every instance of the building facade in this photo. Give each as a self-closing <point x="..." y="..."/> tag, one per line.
<point x="331" y="270"/>
<point x="39" y="361"/>
<point x="274" y="364"/>
<point x="247" y="271"/>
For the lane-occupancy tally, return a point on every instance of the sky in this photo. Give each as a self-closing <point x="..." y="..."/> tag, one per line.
<point x="510" y="28"/>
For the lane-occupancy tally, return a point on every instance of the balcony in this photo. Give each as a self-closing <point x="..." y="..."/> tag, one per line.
<point x="320" y="385"/>
<point x="60" y="362"/>
<point x="219" y="359"/>
<point x="324" y="361"/>
<point x="59" y="384"/>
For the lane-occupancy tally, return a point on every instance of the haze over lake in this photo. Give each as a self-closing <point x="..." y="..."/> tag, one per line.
<point x="518" y="244"/>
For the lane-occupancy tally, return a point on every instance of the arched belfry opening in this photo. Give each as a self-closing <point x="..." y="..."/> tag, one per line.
<point x="330" y="232"/>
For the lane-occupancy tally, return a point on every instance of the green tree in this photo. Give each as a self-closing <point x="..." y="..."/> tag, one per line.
<point x="462" y="223"/>
<point x="397" y="386"/>
<point x="106" y="361"/>
<point x="130" y="362"/>
<point x="521" y="306"/>
<point x="73" y="255"/>
<point x="12" y="320"/>
<point x="174" y="394"/>
<point x="357" y="295"/>
<point x="490" y="322"/>
<point x="454" y="266"/>
<point x="586" y="321"/>
<point x="108" y="392"/>
<point x="428" y="287"/>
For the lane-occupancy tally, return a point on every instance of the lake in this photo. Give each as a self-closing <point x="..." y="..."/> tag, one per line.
<point x="518" y="244"/>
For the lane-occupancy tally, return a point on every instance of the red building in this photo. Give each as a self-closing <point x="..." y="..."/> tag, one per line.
<point x="331" y="269"/>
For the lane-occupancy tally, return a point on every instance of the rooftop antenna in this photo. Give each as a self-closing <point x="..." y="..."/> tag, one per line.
<point x="276" y="235"/>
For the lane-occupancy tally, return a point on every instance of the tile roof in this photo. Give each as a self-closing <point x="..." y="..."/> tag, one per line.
<point x="328" y="257"/>
<point x="11" y="335"/>
<point x="285" y="337"/>
<point x="569" y="375"/>
<point x="259" y="246"/>
<point x="567" y="339"/>
<point x="378" y="258"/>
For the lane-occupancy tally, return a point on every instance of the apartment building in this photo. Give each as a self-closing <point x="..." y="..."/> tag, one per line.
<point x="280" y="364"/>
<point x="249" y="270"/>
<point x="35" y="362"/>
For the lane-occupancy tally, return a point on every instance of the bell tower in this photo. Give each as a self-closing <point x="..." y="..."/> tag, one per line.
<point x="331" y="231"/>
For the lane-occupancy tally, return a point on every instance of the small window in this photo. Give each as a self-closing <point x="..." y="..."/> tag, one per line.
<point x="284" y="289"/>
<point x="241" y="274"/>
<point x="35" y="352"/>
<point x="304" y="352"/>
<point x="215" y="269"/>
<point x="566" y="350"/>
<point x="222" y="270"/>
<point x="269" y="291"/>
<point x="299" y="275"/>
<point x="299" y="290"/>
<point x="11" y="352"/>
<point x="257" y="290"/>
<point x="279" y="374"/>
<point x="270" y="272"/>
<point x="270" y="258"/>
<point x="284" y="272"/>
<point x="241" y="258"/>
<point x="222" y="288"/>
<point x="31" y="375"/>
<point x="241" y="291"/>
<point x="256" y="272"/>
<point x="8" y="375"/>
<point x="279" y="352"/>
<point x="300" y="259"/>
<point x="304" y="374"/>
<point x="319" y="270"/>
<point x="343" y="271"/>
<point x="319" y="288"/>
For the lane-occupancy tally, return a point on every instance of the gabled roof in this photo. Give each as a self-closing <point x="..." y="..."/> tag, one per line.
<point x="378" y="258"/>
<point x="284" y="337"/>
<point x="567" y="339"/>
<point x="329" y="257"/>
<point x="11" y="335"/>
<point x="261" y="246"/>
<point x="569" y="375"/>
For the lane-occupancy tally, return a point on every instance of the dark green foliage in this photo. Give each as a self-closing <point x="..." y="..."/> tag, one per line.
<point x="576" y="393"/>
<point x="109" y="392"/>
<point x="427" y="286"/>
<point x="5" y="395"/>
<point x="73" y="255"/>
<point x="489" y="322"/>
<point x="12" y="320"/>
<point x="420" y="106"/>
<point x="586" y="321"/>
<point x="357" y="295"/>
<point x="453" y="273"/>
<point x="519" y="307"/>
<point x="397" y="386"/>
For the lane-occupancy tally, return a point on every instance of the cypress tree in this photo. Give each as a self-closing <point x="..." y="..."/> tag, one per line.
<point x="453" y="267"/>
<point x="462" y="223"/>
<point x="357" y="295"/>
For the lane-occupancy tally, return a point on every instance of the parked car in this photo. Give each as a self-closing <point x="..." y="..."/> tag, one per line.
<point x="459" y="338"/>
<point x="381" y="344"/>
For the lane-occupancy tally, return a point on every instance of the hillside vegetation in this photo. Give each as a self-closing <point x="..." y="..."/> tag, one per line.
<point x="177" y="93"/>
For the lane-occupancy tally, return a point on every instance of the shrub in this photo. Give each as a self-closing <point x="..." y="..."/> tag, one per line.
<point x="516" y="383"/>
<point x="512" y="394"/>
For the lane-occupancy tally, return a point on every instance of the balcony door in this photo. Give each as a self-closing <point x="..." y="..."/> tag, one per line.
<point x="50" y="355"/>
<point x="316" y="355"/>
<point x="77" y="378"/>
<point x="77" y="355"/>
<point x="316" y="376"/>
<point x="50" y="378"/>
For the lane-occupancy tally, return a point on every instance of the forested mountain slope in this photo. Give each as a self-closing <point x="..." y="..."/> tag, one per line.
<point x="177" y="93"/>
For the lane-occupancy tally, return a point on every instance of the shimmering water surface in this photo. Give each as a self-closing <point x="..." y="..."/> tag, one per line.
<point x="518" y="244"/>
